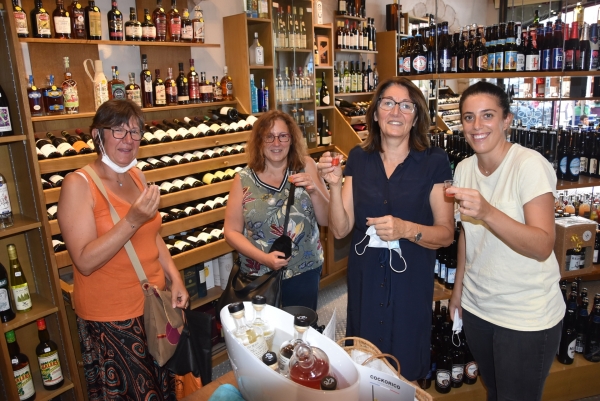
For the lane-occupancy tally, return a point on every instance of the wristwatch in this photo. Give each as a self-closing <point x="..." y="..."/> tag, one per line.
<point x="418" y="235"/>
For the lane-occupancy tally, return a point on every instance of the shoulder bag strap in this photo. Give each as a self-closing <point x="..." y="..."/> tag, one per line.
<point x="135" y="261"/>
<point x="289" y="206"/>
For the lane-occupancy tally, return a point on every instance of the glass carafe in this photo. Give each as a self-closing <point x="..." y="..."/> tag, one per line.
<point x="286" y="350"/>
<point x="258" y="303"/>
<point x="250" y="337"/>
<point x="308" y="366"/>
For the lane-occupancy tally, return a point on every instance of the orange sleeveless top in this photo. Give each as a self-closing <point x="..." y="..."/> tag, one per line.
<point x="113" y="292"/>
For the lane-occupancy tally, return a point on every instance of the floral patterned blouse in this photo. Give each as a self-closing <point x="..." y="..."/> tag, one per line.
<point x="264" y="208"/>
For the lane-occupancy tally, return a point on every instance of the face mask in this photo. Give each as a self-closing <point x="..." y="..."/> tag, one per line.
<point x="376" y="242"/>
<point x="456" y="327"/>
<point x="114" y="166"/>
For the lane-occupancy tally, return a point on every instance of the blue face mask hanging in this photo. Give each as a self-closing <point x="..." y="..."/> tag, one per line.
<point x="376" y="242"/>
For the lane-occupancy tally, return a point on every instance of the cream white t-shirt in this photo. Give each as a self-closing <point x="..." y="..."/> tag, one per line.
<point x="500" y="285"/>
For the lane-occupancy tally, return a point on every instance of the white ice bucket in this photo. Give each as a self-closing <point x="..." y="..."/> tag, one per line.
<point x="257" y="382"/>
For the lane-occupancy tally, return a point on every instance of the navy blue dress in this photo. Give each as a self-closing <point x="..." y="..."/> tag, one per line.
<point x="393" y="310"/>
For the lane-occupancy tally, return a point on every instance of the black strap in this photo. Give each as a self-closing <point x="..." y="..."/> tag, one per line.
<point x="254" y="284"/>
<point x="289" y="206"/>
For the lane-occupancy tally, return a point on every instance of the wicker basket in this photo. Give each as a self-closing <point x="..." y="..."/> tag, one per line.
<point x="367" y="347"/>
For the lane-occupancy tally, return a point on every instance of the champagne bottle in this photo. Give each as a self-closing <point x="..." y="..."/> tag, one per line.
<point x="47" y="353"/>
<point x="6" y="312"/>
<point x="21" y="368"/>
<point x="18" y="282"/>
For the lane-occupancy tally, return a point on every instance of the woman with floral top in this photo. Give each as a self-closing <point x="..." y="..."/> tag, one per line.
<point x="258" y="202"/>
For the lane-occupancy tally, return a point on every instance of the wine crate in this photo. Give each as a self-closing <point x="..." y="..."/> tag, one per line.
<point x="570" y="232"/>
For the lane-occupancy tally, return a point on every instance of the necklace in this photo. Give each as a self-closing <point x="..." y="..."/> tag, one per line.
<point x="120" y="183"/>
<point x="484" y="171"/>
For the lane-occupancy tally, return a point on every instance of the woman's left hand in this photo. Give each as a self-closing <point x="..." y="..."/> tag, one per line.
<point x="179" y="295"/>
<point x="388" y="228"/>
<point x="471" y="203"/>
<point x="304" y="180"/>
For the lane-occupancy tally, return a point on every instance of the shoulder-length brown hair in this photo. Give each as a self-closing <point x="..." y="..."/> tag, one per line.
<point x="261" y="128"/>
<point x="418" y="139"/>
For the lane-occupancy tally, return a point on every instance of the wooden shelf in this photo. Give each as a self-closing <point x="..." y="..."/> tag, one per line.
<point x="323" y="26"/>
<point x="182" y="170"/>
<point x="490" y="74"/>
<point x="197" y="220"/>
<point x="62" y="259"/>
<point x="354" y="94"/>
<point x="448" y="106"/>
<point x="206" y="252"/>
<point x="116" y="43"/>
<point x="195" y="193"/>
<point x="324" y="67"/>
<point x="258" y="20"/>
<point x="355" y="51"/>
<point x="20" y="224"/>
<point x="145" y="110"/>
<point x="356" y="119"/>
<point x="306" y="101"/>
<point x="212" y="294"/>
<point x="325" y="107"/>
<point x="261" y="67"/>
<point x="11" y="139"/>
<point x="41" y="307"/>
<point x="292" y="50"/>
<point x="220" y="357"/>
<point x="337" y="16"/>
<point x="41" y="394"/>
<point x="584" y="181"/>
<point x="440" y="292"/>
<point x="320" y="149"/>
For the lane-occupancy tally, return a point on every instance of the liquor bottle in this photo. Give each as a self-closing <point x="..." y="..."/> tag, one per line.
<point x="256" y="52"/>
<point x="21" y="368"/>
<point x="254" y="95"/>
<point x="6" y="312"/>
<point x="69" y="89"/>
<point x="116" y="87"/>
<point x="444" y="51"/>
<point x="115" y="23"/>
<point x="148" y="28"/>
<point x="584" y="61"/>
<point x="20" y="20"/>
<point x="187" y="27"/>
<point x="286" y="350"/>
<point x="170" y="88"/>
<point x="250" y="337"/>
<point x="443" y="374"/>
<point x="566" y="349"/>
<point x="173" y="23"/>
<point x="159" y="90"/>
<point x="6" y="216"/>
<point x="302" y="30"/>
<point x="77" y="143"/>
<point x="182" y="87"/>
<point x="62" y="22"/>
<point x="226" y="85"/>
<point x="48" y="359"/>
<point x="341" y="9"/>
<point x="572" y="49"/>
<point x="308" y="366"/>
<point x="93" y="21"/>
<point x="198" y="25"/>
<point x="40" y="21"/>
<point x="146" y="83"/>
<point x="159" y="18"/>
<point x="18" y="282"/>
<point x="258" y="304"/>
<point x="546" y="58"/>
<point x="6" y="128"/>
<point x="260" y="93"/>
<point x="132" y="90"/>
<point x="193" y="83"/>
<point x="582" y="324"/>
<point x="54" y="101"/>
<point x="133" y="28"/>
<point x="77" y="15"/>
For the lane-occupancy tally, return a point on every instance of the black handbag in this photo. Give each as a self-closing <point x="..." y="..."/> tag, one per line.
<point x="242" y="287"/>
<point x="194" y="350"/>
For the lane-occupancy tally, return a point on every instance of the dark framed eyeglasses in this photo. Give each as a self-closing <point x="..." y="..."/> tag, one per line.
<point x="283" y="137"/>
<point x="387" y="104"/>
<point x="120" y="133"/>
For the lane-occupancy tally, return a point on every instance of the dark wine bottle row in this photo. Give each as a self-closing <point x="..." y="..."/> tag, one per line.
<point x="195" y="238"/>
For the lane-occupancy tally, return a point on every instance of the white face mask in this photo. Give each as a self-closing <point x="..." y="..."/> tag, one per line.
<point x="456" y="327"/>
<point x="114" y="166"/>
<point x="376" y="242"/>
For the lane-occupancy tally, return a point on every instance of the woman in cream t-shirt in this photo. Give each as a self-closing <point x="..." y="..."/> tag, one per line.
<point x="506" y="287"/>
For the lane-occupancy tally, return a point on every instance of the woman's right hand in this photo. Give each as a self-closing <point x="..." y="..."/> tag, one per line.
<point x="275" y="260"/>
<point x="331" y="174"/>
<point x="454" y="304"/>
<point x="145" y="206"/>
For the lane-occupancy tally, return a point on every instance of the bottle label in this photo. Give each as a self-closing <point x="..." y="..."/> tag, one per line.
<point x="557" y="58"/>
<point x="198" y="30"/>
<point x="499" y="61"/>
<point x="482" y="62"/>
<point x="133" y="31"/>
<point x="571" y="349"/>
<point x="436" y="268"/>
<point x="445" y="61"/>
<point x="187" y="32"/>
<point x="259" y="56"/>
<point x="21" y="22"/>
<point x="572" y="262"/>
<point x="50" y="368"/>
<point x="580" y="341"/>
<point x="569" y="59"/>
<point x="532" y="62"/>
<point x="24" y="381"/>
<point x="562" y="165"/>
<point x="161" y="25"/>
<point x="71" y="95"/>
<point x="491" y="61"/>
<point x="148" y="83"/>
<point x="78" y="20"/>
<point x="593" y="166"/>
<point x="457" y="373"/>
<point x="594" y="60"/>
<point x="442" y="378"/>
<point x="443" y="270"/>
<point x="194" y="89"/>
<point x="21" y="296"/>
<point x="583" y="164"/>
<point x="454" y="64"/>
<point x="5" y="210"/>
<point x="62" y="25"/>
<point x="190" y="181"/>
<point x="175" y="26"/>
<point x="100" y="93"/>
<point x="43" y="23"/>
<point x="160" y="95"/>
<point x="510" y="60"/>
<point x="118" y="91"/>
<point x="420" y="63"/>
<point x="141" y="164"/>
<point x="4" y="298"/>
<point x="575" y="166"/>
<point x="180" y="245"/>
<point x="546" y="61"/>
<point x="471" y="370"/>
<point x="115" y="28"/>
<point x="95" y="21"/>
<point x="520" y="62"/>
<point x="451" y="274"/>
<point x="135" y="96"/>
<point x="284" y="363"/>
<point x="149" y="32"/>
<point x="166" y="186"/>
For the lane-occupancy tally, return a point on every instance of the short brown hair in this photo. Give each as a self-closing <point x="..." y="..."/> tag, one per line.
<point x="114" y="113"/>
<point x="418" y="139"/>
<point x="262" y="126"/>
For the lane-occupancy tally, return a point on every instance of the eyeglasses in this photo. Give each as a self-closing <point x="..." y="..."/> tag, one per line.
<point x="120" y="133"/>
<point x="283" y="137"/>
<point x="387" y="104"/>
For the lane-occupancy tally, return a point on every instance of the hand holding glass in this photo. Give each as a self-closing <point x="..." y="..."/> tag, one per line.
<point x="336" y="158"/>
<point x="448" y="184"/>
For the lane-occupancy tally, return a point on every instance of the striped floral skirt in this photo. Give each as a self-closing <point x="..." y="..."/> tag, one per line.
<point x="118" y="364"/>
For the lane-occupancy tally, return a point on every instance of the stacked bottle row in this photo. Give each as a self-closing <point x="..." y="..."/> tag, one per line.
<point x="294" y="87"/>
<point x="454" y="144"/>
<point x="505" y="47"/>
<point x="451" y="363"/>
<point x="193" y="208"/>
<point x="77" y="22"/>
<point x="446" y="261"/>
<point x="352" y="109"/>
<point x="295" y="359"/>
<point x="585" y="205"/>
<point x="289" y="28"/>
<point x="194" y="238"/>
<point x="581" y="330"/>
<point x="355" y="79"/>
<point x="355" y="36"/>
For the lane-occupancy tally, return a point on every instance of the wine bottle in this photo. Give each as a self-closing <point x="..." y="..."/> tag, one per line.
<point x="193" y="130"/>
<point x="20" y="20"/>
<point x="182" y="185"/>
<point x="56" y="180"/>
<point x="77" y="143"/>
<point x="62" y="22"/>
<point x="226" y="111"/>
<point x="177" y="213"/>
<point x="61" y="144"/>
<point x="146" y="83"/>
<point x="193" y="182"/>
<point x="179" y="129"/>
<point x="202" y="155"/>
<point x="47" y="148"/>
<point x="169" y="161"/>
<point x="190" y="157"/>
<point x="18" y="282"/>
<point x="133" y="27"/>
<point x="211" y="124"/>
<point x="93" y="21"/>
<point x="160" y="92"/>
<point x="165" y="217"/>
<point x="173" y="23"/>
<point x="148" y="28"/>
<point x="203" y="207"/>
<point x="176" y="136"/>
<point x="115" y="23"/>
<point x="77" y="15"/>
<point x="156" y="163"/>
<point x="69" y="88"/>
<point x="46" y="184"/>
<point x="40" y="21"/>
<point x="21" y="368"/>
<point x="193" y="84"/>
<point x="34" y="96"/>
<point x="6" y="127"/>
<point x="180" y="159"/>
<point x="167" y="188"/>
<point x="209" y="178"/>
<point x="144" y="166"/>
<point x="49" y="362"/>
<point x="171" y="88"/>
<point x="158" y="133"/>
<point x="172" y="249"/>
<point x="180" y="244"/>
<point x="87" y="138"/>
<point x="191" y="210"/>
<point x="6" y="312"/>
<point x="202" y="127"/>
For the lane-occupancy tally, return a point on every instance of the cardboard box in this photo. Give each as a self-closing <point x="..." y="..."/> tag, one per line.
<point x="571" y="233"/>
<point x="324" y="49"/>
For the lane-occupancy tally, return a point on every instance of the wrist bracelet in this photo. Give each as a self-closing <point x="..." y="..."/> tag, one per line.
<point x="132" y="226"/>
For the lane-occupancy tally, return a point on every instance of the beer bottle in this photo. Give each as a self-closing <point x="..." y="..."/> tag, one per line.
<point x="444" y="51"/>
<point x="443" y="374"/>
<point x="469" y="45"/>
<point x="492" y="47"/>
<point x="581" y="326"/>
<point x="510" y="49"/>
<point x="521" y="37"/>
<point x="592" y="341"/>
<point x="574" y="158"/>
<point x="566" y="349"/>
<point x="500" y="46"/>
<point x="584" y="62"/>
<point x="458" y="363"/>
<point x="460" y="53"/>
<point x="453" y="51"/>
<point x="563" y="152"/>
<point x="471" y="368"/>
<point x="557" y="46"/>
<point x="532" y="54"/>
<point x="480" y="55"/>
<point x="546" y="60"/>
<point x="419" y="58"/>
<point x="572" y="48"/>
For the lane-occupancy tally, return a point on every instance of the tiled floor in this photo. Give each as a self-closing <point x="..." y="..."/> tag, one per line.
<point x="334" y="297"/>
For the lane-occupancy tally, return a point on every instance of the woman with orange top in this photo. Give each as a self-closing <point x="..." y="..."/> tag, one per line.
<point x="108" y="297"/>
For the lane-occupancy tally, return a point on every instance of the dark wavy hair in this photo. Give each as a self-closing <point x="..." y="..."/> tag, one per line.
<point x="418" y="139"/>
<point x="261" y="128"/>
<point x="487" y="88"/>
<point x="114" y="113"/>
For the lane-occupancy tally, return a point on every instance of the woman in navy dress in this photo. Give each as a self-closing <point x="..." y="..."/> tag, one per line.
<point x="394" y="183"/>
